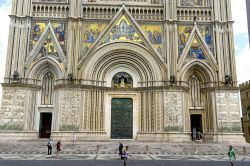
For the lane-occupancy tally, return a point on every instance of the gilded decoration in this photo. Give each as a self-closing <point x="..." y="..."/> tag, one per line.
<point x="36" y="32"/>
<point x="12" y="113"/>
<point x="122" y="80"/>
<point x="91" y="32"/>
<point x="154" y="35"/>
<point x="196" y="50"/>
<point x="48" y="49"/>
<point x="123" y="31"/>
<point x="38" y="29"/>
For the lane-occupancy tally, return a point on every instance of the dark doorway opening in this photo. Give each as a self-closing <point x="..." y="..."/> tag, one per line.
<point x="196" y="127"/>
<point x="45" y="125"/>
<point x="121" y="118"/>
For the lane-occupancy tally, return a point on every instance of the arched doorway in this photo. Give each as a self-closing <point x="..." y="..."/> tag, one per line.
<point x="47" y="95"/>
<point x="196" y="107"/>
<point x="122" y="109"/>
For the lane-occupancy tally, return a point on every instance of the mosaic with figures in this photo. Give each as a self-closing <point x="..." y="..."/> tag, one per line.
<point x="38" y="28"/>
<point x="196" y="48"/>
<point x="154" y="35"/>
<point x="123" y="31"/>
<point x="91" y="32"/>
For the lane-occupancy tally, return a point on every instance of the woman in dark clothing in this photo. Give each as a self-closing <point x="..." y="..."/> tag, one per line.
<point x="120" y="149"/>
<point x="58" y="148"/>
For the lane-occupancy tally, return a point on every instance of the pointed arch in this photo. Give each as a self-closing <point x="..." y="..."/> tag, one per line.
<point x="196" y="35"/>
<point x="48" y="32"/>
<point x="200" y="69"/>
<point x="44" y="65"/>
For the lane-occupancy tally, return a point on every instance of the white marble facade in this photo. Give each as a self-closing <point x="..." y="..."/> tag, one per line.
<point x="66" y="53"/>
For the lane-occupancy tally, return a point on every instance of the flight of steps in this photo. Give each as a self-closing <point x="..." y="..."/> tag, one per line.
<point x="110" y="147"/>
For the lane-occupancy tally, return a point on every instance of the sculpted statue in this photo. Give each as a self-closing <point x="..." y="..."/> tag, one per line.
<point x="172" y="79"/>
<point x="15" y="76"/>
<point x="228" y="80"/>
<point x="70" y="77"/>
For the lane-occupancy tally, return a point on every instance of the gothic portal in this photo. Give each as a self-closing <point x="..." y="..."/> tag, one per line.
<point x="121" y="69"/>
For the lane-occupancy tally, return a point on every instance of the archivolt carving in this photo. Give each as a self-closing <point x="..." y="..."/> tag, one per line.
<point x="117" y="54"/>
<point x="199" y="68"/>
<point x="43" y="66"/>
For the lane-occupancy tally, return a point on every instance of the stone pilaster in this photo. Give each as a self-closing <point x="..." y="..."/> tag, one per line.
<point x="74" y="45"/>
<point x="171" y="36"/>
<point x="18" y="37"/>
<point x="224" y="37"/>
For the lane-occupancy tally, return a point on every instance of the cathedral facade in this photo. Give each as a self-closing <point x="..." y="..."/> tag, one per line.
<point x="155" y="70"/>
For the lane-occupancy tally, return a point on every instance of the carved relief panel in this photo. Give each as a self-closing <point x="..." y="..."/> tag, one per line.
<point x="173" y="116"/>
<point x="70" y="118"/>
<point x="12" y="110"/>
<point x="228" y="112"/>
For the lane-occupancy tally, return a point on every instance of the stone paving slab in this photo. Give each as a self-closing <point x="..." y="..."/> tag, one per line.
<point x="132" y="157"/>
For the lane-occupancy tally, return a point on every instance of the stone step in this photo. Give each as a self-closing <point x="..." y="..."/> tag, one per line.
<point x="38" y="147"/>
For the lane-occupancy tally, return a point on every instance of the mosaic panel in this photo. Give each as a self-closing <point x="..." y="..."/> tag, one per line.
<point x="196" y="51"/>
<point x="184" y="34"/>
<point x="38" y="29"/>
<point x="59" y="29"/>
<point x="123" y="31"/>
<point x="154" y="35"/>
<point x="91" y="32"/>
<point x="36" y="32"/>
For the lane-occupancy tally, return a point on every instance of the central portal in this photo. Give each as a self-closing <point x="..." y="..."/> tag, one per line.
<point x="122" y="118"/>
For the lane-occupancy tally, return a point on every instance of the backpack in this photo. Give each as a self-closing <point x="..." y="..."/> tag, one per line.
<point x="49" y="144"/>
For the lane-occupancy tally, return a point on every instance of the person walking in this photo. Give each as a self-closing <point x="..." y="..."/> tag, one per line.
<point x="49" y="145"/>
<point x="125" y="154"/>
<point x="58" y="148"/>
<point x="120" y="148"/>
<point x="231" y="155"/>
<point x="74" y="138"/>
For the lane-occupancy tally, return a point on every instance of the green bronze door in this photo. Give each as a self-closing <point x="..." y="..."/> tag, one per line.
<point x="122" y="118"/>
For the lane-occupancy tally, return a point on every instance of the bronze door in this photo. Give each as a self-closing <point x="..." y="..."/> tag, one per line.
<point x="122" y="118"/>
